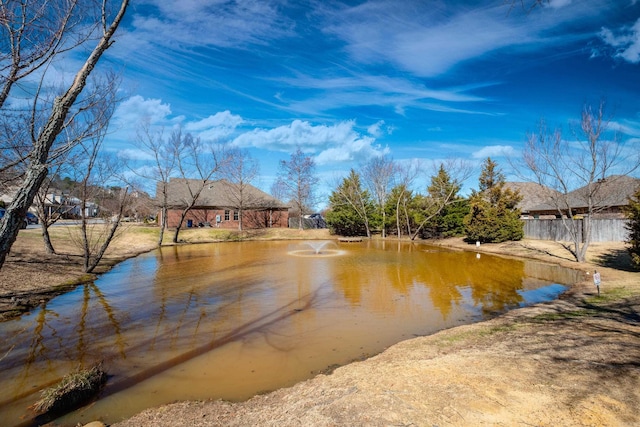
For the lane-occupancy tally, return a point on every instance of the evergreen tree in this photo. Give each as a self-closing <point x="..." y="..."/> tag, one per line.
<point x="632" y="211"/>
<point x="449" y="221"/>
<point x="493" y="215"/>
<point x="442" y="192"/>
<point x="352" y="210"/>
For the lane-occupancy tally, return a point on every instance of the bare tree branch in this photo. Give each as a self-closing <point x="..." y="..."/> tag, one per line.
<point x="41" y="150"/>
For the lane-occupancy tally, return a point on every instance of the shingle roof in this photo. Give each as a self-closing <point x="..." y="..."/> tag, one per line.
<point x="533" y="194"/>
<point x="614" y="190"/>
<point x="220" y="194"/>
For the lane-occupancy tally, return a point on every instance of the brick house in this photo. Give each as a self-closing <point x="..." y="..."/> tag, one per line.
<point x="221" y="204"/>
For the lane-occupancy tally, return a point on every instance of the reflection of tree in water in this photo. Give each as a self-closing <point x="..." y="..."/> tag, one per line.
<point x="51" y="344"/>
<point x="84" y="330"/>
<point x="397" y="269"/>
<point x="496" y="284"/>
<point x="38" y="348"/>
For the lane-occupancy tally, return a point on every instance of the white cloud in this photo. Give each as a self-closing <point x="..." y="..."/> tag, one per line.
<point x="375" y="129"/>
<point x="494" y="151"/>
<point x="215" y="127"/>
<point x="136" y="109"/>
<point x="625" y="41"/>
<point x="330" y="144"/>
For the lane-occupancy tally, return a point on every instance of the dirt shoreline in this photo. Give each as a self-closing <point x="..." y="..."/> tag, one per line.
<point x="572" y="362"/>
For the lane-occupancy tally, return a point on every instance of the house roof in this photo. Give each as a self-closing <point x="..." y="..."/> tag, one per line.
<point x="533" y="194"/>
<point x="220" y="194"/>
<point x="614" y="190"/>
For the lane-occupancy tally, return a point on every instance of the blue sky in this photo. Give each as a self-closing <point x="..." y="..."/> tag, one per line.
<point x="345" y="81"/>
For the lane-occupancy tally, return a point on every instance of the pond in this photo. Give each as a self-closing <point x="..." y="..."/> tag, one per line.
<point x="231" y="320"/>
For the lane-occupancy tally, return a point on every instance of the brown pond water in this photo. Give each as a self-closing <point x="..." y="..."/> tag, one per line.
<point x="231" y="320"/>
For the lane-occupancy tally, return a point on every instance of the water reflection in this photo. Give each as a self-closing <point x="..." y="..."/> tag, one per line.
<point x="234" y="319"/>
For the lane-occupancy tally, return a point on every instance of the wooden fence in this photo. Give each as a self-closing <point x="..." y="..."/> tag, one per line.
<point x="602" y="230"/>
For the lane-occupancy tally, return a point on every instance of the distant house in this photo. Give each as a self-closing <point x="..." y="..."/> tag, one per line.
<point x="608" y="197"/>
<point x="57" y="204"/>
<point x="533" y="195"/>
<point x="219" y="205"/>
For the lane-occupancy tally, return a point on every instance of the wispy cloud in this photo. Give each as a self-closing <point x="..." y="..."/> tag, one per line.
<point x="494" y="151"/>
<point x="321" y="95"/>
<point x="428" y="41"/>
<point x="189" y="23"/>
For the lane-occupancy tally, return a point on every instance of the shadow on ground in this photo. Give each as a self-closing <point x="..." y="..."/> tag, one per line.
<point x="618" y="259"/>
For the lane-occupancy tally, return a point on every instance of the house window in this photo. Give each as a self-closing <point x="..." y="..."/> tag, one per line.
<point x="235" y="215"/>
<point x="226" y="215"/>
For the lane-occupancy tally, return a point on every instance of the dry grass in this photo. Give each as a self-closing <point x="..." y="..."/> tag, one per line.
<point x="73" y="390"/>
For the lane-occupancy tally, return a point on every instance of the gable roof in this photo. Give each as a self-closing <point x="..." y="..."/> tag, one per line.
<point x="219" y="193"/>
<point x="613" y="191"/>
<point x="533" y="194"/>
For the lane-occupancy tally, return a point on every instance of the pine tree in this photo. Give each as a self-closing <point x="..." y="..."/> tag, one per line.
<point x="493" y="216"/>
<point x="352" y="210"/>
<point x="450" y="209"/>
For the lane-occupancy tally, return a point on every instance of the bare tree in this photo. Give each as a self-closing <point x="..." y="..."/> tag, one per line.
<point x="58" y="117"/>
<point x="297" y="180"/>
<point x="89" y="122"/>
<point x="595" y="157"/>
<point x="406" y="178"/>
<point x="165" y="153"/>
<point x="198" y="163"/>
<point x="93" y="172"/>
<point x="240" y="170"/>
<point x="379" y="175"/>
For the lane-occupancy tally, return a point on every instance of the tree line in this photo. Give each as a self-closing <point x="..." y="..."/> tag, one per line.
<point x="593" y="159"/>
<point x="379" y="198"/>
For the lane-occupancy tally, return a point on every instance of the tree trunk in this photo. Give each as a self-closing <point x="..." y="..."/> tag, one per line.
<point x="48" y="246"/>
<point x="14" y="215"/>
<point x="86" y="250"/>
<point x="179" y="226"/>
<point x="399" y="231"/>
<point x="581" y="251"/>
<point x="163" y="225"/>
<point x="98" y="257"/>
<point x="384" y="224"/>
